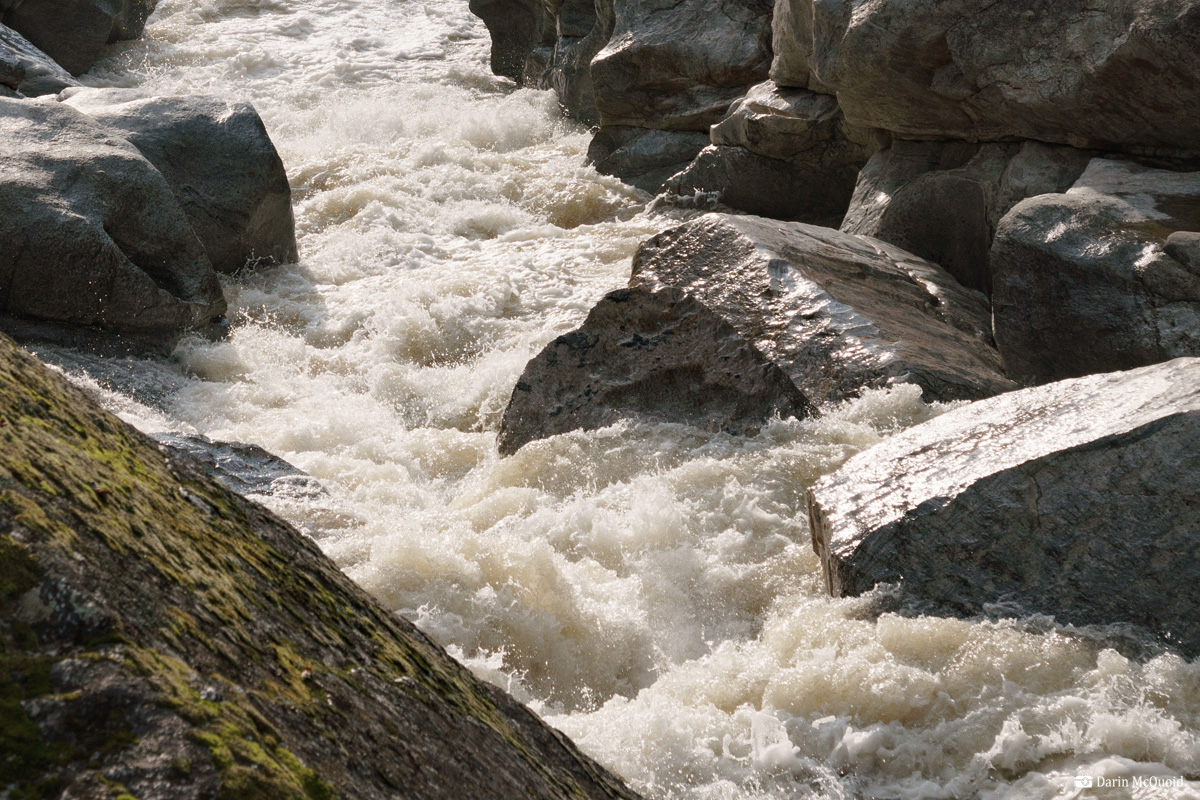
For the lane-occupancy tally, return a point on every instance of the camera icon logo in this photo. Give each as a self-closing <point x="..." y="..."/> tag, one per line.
<point x="1084" y="781"/>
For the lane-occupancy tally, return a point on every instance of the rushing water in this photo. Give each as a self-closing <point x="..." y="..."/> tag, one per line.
<point x="649" y="589"/>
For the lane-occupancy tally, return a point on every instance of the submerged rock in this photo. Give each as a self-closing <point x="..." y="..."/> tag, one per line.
<point x="219" y="162"/>
<point x="657" y="356"/>
<point x="244" y="468"/>
<point x="38" y="74"/>
<point x="74" y="32"/>
<point x="163" y="637"/>
<point x="1085" y="281"/>
<point x="838" y="313"/>
<point x="92" y="233"/>
<point x="1078" y="499"/>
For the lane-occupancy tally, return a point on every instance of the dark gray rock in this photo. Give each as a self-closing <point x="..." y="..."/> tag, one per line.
<point x="92" y="234"/>
<point x="1078" y="499"/>
<point x="1083" y="281"/>
<point x="515" y="27"/>
<point x="1122" y="74"/>
<point x="243" y="468"/>
<point x="679" y="65"/>
<point x="660" y="356"/>
<point x="220" y="163"/>
<point x="643" y="157"/>
<point x="838" y="313"/>
<point x="35" y="72"/>
<point x="74" y="32"/>
<point x="943" y="200"/>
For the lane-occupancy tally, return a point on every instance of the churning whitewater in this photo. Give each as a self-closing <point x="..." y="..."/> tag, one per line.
<point x="648" y="589"/>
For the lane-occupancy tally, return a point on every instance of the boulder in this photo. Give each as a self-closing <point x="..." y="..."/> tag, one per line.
<point x="838" y="313"/>
<point x="1084" y="281"/>
<point x="165" y="638"/>
<point x="515" y="27"/>
<point x="583" y="28"/>
<point x="243" y="468"/>
<point x="783" y="153"/>
<point x="1123" y="74"/>
<point x="943" y="200"/>
<point x="75" y="32"/>
<point x="659" y="356"/>
<point x="796" y="30"/>
<point x="92" y="233"/>
<point x="1078" y="499"/>
<point x="28" y="69"/>
<point x="673" y="65"/>
<point x="644" y="157"/>
<point x="220" y="163"/>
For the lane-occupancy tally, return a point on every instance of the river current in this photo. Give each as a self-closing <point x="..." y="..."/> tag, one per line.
<point x="648" y="589"/>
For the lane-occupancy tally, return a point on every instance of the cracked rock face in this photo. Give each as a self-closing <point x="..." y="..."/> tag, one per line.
<point x="1078" y="499"/>
<point x="1099" y="278"/>
<point x="658" y="356"/>
<point x="839" y="313"/>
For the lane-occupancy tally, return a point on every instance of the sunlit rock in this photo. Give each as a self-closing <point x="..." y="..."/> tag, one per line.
<point x="28" y="69"/>
<point x="1092" y="281"/>
<point x="92" y="233"/>
<point x="838" y="313"/>
<point x="657" y="356"/>
<point x="75" y="32"/>
<point x="1078" y="499"/>
<point x="220" y="163"/>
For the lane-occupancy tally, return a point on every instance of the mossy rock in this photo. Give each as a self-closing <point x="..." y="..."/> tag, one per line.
<point x="161" y="636"/>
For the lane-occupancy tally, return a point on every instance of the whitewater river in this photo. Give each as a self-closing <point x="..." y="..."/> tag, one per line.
<point x="650" y="590"/>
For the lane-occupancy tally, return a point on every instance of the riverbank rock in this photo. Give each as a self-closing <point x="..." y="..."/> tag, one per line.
<point x="642" y="157"/>
<point x="838" y="313"/>
<point x="220" y="163"/>
<point x="74" y="33"/>
<point x="658" y="356"/>
<point x="164" y="637"/>
<point x="92" y="232"/>
<point x="1123" y="75"/>
<point x="1078" y="499"/>
<point x="943" y="200"/>
<point x="1084" y="281"/>
<point x="515" y="27"/>
<point x="782" y="153"/>
<point x="35" y="73"/>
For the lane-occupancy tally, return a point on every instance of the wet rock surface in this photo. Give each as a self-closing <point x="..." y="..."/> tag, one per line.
<point x="642" y="157"/>
<point x="1078" y="499"/>
<point x="28" y="69"/>
<point x="657" y="356"/>
<point x="75" y="32"/>
<point x="93" y="234"/>
<point x="220" y="164"/>
<point x="1092" y="281"/>
<point x="162" y="637"/>
<point x="838" y="313"/>
<point x="243" y="468"/>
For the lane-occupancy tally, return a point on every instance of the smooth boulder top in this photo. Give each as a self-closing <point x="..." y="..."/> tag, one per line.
<point x="38" y="73"/>
<point x="1098" y="266"/>
<point x="1079" y="499"/>
<point x="839" y="313"/>
<point x="218" y="160"/>
<point x="656" y="356"/>
<point x="93" y="234"/>
<point x="75" y="32"/>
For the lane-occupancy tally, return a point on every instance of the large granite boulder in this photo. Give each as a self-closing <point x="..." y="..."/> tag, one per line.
<point x="1121" y="74"/>
<point x="92" y="233"/>
<point x="35" y="73"/>
<point x="162" y="637"/>
<point x="220" y="163"/>
<point x="659" y="356"/>
<point x="644" y="157"/>
<point x="75" y="32"/>
<point x="782" y="153"/>
<point x="943" y="200"/>
<point x="1078" y="499"/>
<point x="838" y="313"/>
<point x="673" y="65"/>
<point x="1085" y="282"/>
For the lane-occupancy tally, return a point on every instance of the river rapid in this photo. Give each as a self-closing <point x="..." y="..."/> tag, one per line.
<point x="648" y="589"/>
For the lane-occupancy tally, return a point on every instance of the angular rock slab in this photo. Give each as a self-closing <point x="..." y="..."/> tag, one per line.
<point x="1121" y="74"/>
<point x="659" y="356"/>
<point x="75" y="32"/>
<point x="91" y="232"/>
<point x="220" y="163"/>
<point x="643" y="157"/>
<point x="838" y="313"/>
<point x="38" y="74"/>
<point x="1078" y="499"/>
<point x="1095" y="280"/>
